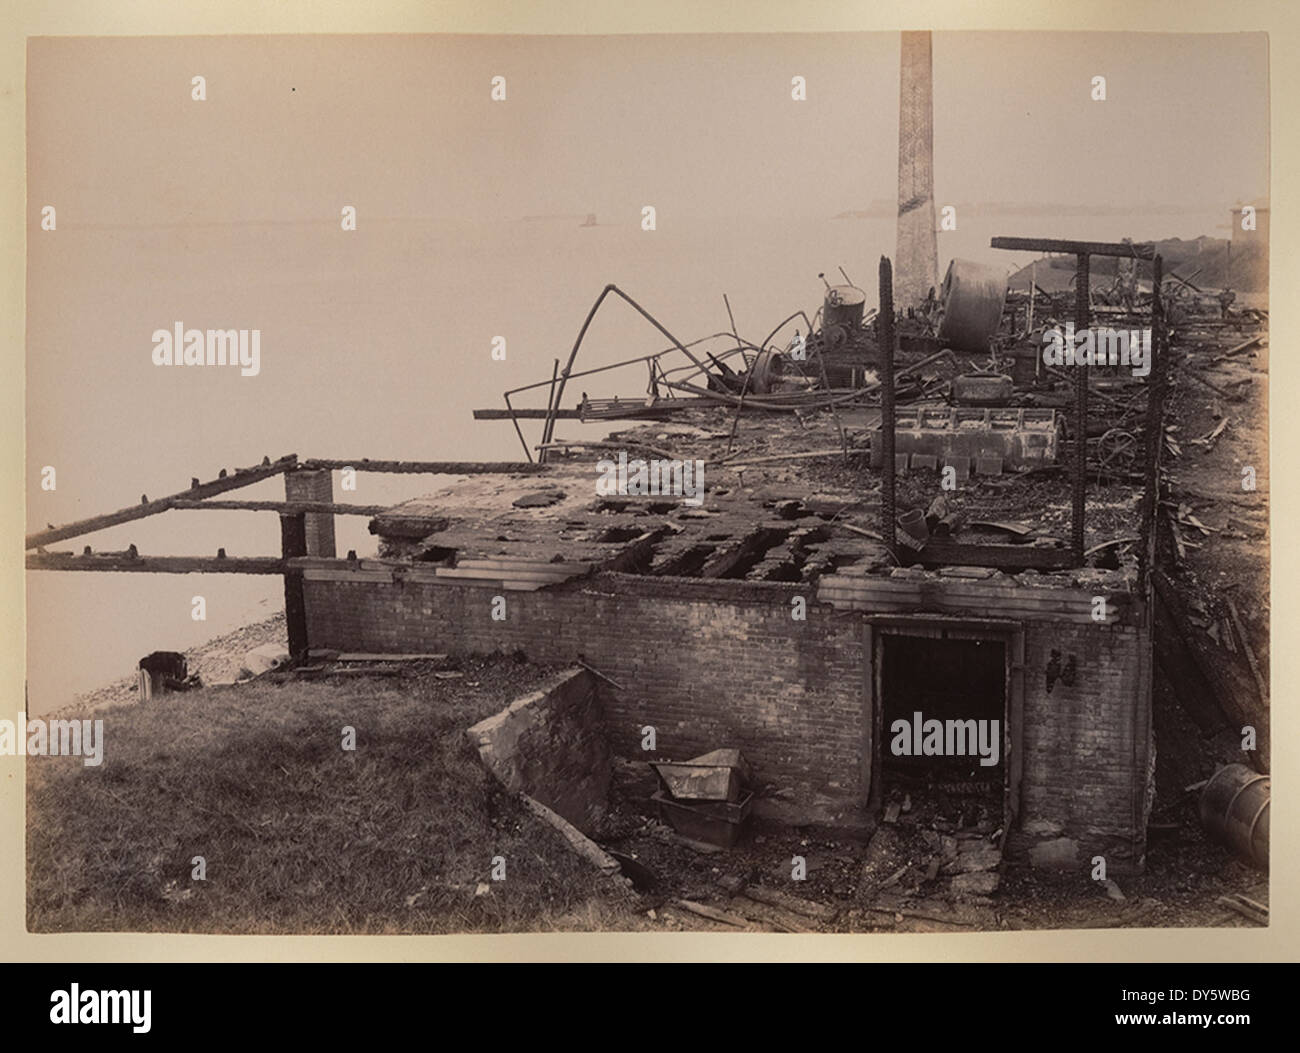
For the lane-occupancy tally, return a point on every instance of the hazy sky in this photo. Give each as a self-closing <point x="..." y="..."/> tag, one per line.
<point x="375" y="343"/>
<point x="402" y="126"/>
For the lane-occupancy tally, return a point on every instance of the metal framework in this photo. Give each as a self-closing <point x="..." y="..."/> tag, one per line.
<point x="985" y="555"/>
<point x="678" y="379"/>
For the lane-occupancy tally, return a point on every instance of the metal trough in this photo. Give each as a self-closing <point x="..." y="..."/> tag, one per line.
<point x="718" y="775"/>
<point x="716" y="822"/>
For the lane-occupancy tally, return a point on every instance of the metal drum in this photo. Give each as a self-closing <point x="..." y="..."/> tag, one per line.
<point x="843" y="306"/>
<point x="1234" y="811"/>
<point x="971" y="299"/>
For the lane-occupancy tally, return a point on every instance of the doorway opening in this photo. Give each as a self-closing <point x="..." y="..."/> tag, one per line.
<point x="943" y="734"/>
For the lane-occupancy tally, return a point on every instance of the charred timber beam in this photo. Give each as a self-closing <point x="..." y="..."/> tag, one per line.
<point x="284" y="507"/>
<point x="223" y="483"/>
<point x="124" y="561"/>
<point x="1079" y="486"/>
<point x="411" y="527"/>
<point x="942" y="553"/>
<point x="293" y="545"/>
<point x="430" y="467"/>
<point x="526" y="414"/>
<point x="889" y="522"/>
<point x="1155" y="432"/>
<point x="1141" y="251"/>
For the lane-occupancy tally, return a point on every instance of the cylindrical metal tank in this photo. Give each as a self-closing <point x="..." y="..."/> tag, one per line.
<point x="843" y="305"/>
<point x="971" y="299"/>
<point x="1234" y="811"/>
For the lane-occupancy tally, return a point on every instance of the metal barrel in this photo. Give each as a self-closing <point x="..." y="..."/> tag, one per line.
<point x="1234" y="811"/>
<point x="971" y="297"/>
<point x="843" y="305"/>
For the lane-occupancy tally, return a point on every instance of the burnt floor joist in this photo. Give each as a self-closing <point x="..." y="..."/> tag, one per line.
<point x="682" y="561"/>
<point x="785" y="561"/>
<point x="736" y="558"/>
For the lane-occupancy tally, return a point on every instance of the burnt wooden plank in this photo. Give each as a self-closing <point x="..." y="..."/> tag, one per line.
<point x="524" y="414"/>
<point x="432" y="467"/>
<point x="284" y="507"/>
<point x="1139" y="250"/>
<point x="293" y="543"/>
<point x="939" y="552"/>
<point x="891" y="596"/>
<point x="516" y="574"/>
<point x="410" y="527"/>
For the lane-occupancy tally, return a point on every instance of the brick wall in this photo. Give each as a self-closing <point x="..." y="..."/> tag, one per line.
<point x="1087" y="746"/>
<point x="722" y="663"/>
<point x="551" y="744"/>
<point x="707" y="664"/>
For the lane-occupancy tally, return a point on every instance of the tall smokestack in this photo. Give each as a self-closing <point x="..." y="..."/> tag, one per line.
<point x="916" y="263"/>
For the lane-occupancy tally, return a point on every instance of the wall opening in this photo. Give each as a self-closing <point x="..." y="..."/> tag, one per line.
<point x="943" y="737"/>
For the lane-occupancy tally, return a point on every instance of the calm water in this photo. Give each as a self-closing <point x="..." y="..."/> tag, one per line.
<point x="375" y="343"/>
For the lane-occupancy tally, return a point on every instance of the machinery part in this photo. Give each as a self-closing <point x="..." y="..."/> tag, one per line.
<point x="971" y="299"/>
<point x="1020" y="438"/>
<point x="1234" y="811"/>
<point x="982" y="389"/>
<point x="767" y="370"/>
<point x="1117" y="450"/>
<point x="834" y="337"/>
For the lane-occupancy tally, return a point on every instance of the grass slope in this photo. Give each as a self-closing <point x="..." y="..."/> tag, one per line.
<point x="299" y="835"/>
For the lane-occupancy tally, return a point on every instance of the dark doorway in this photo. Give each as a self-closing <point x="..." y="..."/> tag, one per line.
<point x="943" y="733"/>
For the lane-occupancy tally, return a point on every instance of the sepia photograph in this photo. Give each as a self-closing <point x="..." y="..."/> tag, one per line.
<point x="650" y="483"/>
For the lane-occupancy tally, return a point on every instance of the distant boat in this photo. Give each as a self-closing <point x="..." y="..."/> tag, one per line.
<point x="590" y="221"/>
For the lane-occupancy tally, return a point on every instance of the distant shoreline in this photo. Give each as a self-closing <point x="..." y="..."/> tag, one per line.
<point x="217" y="661"/>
